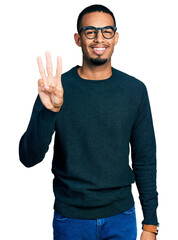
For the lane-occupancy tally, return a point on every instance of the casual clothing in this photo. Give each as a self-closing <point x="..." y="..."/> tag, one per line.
<point x="121" y="226"/>
<point x="99" y="122"/>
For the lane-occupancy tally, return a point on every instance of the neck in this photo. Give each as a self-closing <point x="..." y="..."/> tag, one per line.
<point x="90" y="71"/>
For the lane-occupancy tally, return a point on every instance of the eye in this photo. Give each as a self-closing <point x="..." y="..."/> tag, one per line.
<point x="108" y="31"/>
<point x="90" y="32"/>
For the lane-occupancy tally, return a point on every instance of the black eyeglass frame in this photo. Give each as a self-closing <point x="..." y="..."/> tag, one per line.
<point x="99" y="28"/>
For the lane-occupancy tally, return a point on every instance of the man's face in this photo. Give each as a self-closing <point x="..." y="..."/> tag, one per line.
<point x="90" y="47"/>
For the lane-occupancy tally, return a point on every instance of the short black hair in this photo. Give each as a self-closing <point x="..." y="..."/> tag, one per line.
<point x="93" y="8"/>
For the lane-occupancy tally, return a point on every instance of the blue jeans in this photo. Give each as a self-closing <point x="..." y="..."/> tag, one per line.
<point x="118" y="227"/>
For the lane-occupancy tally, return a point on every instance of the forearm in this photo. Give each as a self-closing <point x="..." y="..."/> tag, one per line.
<point x="34" y="143"/>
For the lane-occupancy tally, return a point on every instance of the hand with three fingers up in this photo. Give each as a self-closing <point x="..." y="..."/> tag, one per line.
<point x="50" y="87"/>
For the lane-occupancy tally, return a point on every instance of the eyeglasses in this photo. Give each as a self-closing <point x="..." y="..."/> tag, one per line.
<point x="92" y="32"/>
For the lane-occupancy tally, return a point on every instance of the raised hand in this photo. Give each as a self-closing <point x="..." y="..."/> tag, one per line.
<point x="50" y="87"/>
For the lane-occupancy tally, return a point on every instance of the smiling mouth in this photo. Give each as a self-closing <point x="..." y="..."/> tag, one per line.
<point x="98" y="50"/>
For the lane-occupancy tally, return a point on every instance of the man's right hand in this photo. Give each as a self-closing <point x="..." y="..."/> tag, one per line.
<point x="50" y="87"/>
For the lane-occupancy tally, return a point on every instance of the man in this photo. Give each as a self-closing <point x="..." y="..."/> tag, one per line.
<point x="96" y="111"/>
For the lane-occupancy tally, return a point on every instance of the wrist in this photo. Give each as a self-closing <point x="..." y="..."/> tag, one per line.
<point x="148" y="235"/>
<point x="151" y="228"/>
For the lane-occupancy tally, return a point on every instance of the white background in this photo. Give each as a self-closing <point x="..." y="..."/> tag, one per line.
<point x="147" y="49"/>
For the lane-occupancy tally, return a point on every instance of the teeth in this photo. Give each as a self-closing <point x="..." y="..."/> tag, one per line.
<point x="99" y="49"/>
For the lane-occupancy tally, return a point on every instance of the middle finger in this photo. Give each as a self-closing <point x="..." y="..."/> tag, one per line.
<point x="49" y="66"/>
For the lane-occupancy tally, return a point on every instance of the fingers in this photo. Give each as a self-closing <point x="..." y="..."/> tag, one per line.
<point x="50" y="81"/>
<point x="49" y="66"/>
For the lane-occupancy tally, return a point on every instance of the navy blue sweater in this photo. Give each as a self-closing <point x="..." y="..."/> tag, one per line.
<point x="100" y="123"/>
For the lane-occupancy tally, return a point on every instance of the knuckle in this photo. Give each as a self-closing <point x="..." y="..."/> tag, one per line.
<point x="53" y="84"/>
<point x="51" y="88"/>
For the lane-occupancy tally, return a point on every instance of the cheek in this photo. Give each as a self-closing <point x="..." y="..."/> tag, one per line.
<point x="85" y="47"/>
<point x="111" y="48"/>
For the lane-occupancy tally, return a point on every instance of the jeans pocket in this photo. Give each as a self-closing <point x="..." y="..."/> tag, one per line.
<point x="59" y="217"/>
<point x="130" y="211"/>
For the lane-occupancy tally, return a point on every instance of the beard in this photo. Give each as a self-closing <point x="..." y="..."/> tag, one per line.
<point x="98" y="61"/>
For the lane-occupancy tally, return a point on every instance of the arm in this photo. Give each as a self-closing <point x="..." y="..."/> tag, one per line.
<point x="34" y="143"/>
<point x="143" y="154"/>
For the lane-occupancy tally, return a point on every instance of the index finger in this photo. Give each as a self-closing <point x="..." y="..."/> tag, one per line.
<point x="41" y="68"/>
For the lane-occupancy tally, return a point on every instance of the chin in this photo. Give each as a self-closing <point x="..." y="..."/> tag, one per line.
<point x="98" y="61"/>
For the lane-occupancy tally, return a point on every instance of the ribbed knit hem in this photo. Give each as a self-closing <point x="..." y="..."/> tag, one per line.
<point x="111" y="209"/>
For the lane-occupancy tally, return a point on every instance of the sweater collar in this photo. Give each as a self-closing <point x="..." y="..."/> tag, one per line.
<point x="106" y="81"/>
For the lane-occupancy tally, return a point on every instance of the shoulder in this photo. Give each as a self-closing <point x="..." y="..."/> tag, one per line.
<point x="130" y="82"/>
<point x="67" y="74"/>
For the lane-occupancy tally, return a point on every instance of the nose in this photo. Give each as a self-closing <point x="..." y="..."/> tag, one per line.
<point x="99" y="37"/>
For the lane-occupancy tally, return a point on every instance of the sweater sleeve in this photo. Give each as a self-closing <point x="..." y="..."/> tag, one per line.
<point x="143" y="155"/>
<point x="34" y="143"/>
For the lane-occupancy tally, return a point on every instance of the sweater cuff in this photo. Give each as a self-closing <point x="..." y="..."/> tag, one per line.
<point x="150" y="217"/>
<point x="48" y="116"/>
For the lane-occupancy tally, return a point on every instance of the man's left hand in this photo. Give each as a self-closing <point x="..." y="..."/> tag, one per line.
<point x="147" y="236"/>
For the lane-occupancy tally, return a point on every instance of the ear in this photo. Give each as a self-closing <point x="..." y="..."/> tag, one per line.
<point x="77" y="39"/>
<point x="116" y="38"/>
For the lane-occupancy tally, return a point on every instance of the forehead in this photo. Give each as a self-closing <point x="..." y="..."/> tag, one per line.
<point x="97" y="19"/>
